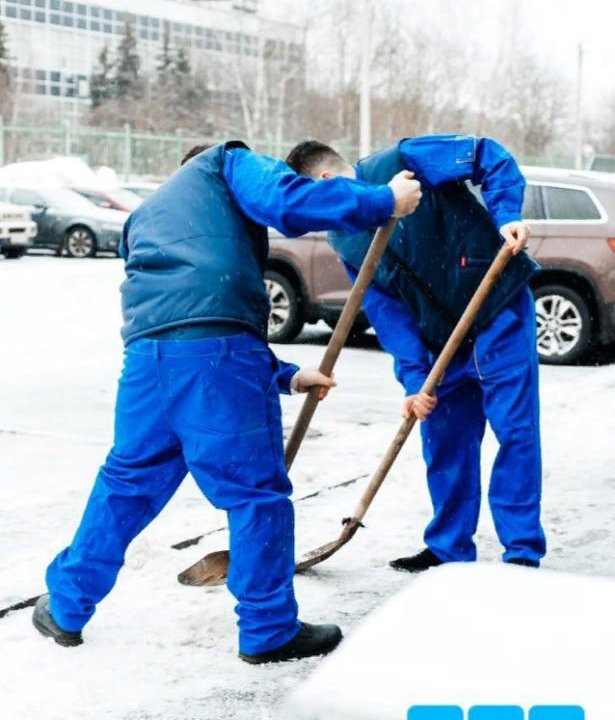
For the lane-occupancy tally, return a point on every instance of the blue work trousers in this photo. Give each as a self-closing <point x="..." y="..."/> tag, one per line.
<point x="496" y="382"/>
<point x="210" y="407"/>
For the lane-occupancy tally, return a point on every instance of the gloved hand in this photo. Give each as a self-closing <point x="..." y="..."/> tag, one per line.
<point x="305" y="378"/>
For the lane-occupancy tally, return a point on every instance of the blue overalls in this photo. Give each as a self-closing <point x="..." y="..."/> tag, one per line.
<point x="199" y="390"/>
<point x="493" y="379"/>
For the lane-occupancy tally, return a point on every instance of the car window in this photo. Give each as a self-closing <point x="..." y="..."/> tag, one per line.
<point x="570" y="204"/>
<point x="27" y="197"/>
<point x="532" y="204"/>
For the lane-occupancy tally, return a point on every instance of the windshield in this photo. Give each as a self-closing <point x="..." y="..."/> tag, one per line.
<point x="128" y="199"/>
<point x="67" y="201"/>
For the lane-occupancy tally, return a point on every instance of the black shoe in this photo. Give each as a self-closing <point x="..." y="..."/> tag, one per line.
<point x="47" y="626"/>
<point x="310" y="640"/>
<point x="523" y="562"/>
<point x="417" y="563"/>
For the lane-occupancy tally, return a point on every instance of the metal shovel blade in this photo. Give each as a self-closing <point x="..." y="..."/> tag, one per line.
<point x="209" y="570"/>
<point x="213" y="568"/>
<point x="322" y="553"/>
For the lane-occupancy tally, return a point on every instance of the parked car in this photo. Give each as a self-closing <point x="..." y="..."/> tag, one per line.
<point x="572" y="216"/>
<point x="306" y="282"/>
<point x="142" y="189"/>
<point x="116" y="199"/>
<point x="16" y="230"/>
<point x="602" y="163"/>
<point x="67" y="222"/>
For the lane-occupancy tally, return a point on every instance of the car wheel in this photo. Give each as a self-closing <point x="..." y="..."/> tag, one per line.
<point x="563" y="324"/>
<point x="13" y="253"/>
<point x="360" y="325"/>
<point x="285" y="315"/>
<point x="80" y="242"/>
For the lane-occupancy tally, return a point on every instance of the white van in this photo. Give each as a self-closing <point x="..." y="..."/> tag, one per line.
<point x="17" y="230"/>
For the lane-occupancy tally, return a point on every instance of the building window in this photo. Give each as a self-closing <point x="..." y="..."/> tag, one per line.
<point x="11" y="11"/>
<point x="39" y="17"/>
<point x="25" y="14"/>
<point x="95" y="25"/>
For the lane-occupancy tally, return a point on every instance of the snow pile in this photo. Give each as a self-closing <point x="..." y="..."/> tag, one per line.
<point x="473" y="635"/>
<point x="59" y="172"/>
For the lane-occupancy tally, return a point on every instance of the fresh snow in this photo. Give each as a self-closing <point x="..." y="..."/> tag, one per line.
<point x="490" y="635"/>
<point x="157" y="650"/>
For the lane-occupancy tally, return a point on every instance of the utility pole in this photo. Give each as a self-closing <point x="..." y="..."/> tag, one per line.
<point x="365" y="119"/>
<point x="578" y="163"/>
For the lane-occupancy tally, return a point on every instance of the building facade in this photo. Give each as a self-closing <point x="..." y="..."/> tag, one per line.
<point x="54" y="44"/>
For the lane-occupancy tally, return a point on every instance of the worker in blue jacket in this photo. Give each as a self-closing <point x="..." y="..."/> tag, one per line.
<point x="199" y="390"/>
<point x="434" y="263"/>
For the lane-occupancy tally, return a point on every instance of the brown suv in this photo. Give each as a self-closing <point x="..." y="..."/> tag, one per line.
<point x="572" y="215"/>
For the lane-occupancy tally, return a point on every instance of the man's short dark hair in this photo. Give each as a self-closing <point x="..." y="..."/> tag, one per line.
<point x="305" y="157"/>
<point x="196" y="150"/>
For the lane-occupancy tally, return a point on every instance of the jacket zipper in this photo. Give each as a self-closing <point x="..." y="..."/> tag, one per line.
<point x="480" y="377"/>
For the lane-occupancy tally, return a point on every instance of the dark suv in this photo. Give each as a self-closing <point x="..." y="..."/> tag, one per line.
<point x="572" y="215"/>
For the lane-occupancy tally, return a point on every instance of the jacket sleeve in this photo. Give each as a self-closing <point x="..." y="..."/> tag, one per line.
<point x="286" y="372"/>
<point x="398" y="334"/>
<point x="270" y="193"/>
<point x="438" y="159"/>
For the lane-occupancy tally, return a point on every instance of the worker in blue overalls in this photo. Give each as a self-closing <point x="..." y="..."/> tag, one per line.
<point x="199" y="389"/>
<point x="434" y="263"/>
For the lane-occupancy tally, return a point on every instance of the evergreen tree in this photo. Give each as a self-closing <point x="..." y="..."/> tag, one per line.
<point x="165" y="59"/>
<point x="101" y="83"/>
<point x="6" y="86"/>
<point x="128" y="83"/>
<point x="182" y="70"/>
<point x="4" y="47"/>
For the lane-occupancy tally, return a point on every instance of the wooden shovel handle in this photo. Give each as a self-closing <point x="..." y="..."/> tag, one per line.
<point x="435" y="377"/>
<point x="340" y="335"/>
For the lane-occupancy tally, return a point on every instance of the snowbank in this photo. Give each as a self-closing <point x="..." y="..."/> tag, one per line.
<point x="473" y="635"/>
<point x="59" y="172"/>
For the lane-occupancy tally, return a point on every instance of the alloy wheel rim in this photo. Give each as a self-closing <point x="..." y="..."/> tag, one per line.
<point x="80" y="243"/>
<point x="558" y="325"/>
<point x="280" y="306"/>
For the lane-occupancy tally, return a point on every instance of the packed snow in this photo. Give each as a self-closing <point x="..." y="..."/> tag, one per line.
<point x="489" y="635"/>
<point x="158" y="650"/>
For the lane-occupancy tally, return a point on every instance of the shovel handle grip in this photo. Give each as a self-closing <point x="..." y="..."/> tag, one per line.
<point x="435" y="376"/>
<point x="340" y="335"/>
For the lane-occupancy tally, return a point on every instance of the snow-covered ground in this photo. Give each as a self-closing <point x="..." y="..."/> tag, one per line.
<point x="158" y="650"/>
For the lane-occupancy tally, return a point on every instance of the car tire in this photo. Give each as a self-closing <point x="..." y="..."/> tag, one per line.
<point x="286" y="314"/>
<point x="80" y="242"/>
<point x="13" y="253"/>
<point x="360" y="325"/>
<point x="563" y="325"/>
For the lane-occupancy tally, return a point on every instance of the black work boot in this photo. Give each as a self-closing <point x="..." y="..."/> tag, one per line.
<point x="310" y="640"/>
<point x="523" y="562"/>
<point x="417" y="563"/>
<point x="47" y="626"/>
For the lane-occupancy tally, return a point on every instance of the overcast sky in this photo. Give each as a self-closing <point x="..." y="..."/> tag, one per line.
<point x="555" y="27"/>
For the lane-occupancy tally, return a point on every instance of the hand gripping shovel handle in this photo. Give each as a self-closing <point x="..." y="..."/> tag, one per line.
<point x="352" y="524"/>
<point x="434" y="378"/>
<point x="340" y="335"/>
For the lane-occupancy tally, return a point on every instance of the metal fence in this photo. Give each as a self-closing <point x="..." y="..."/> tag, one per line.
<point x="131" y="153"/>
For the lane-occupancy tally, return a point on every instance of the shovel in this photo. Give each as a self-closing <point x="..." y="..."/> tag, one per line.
<point x="352" y="524"/>
<point x="212" y="569"/>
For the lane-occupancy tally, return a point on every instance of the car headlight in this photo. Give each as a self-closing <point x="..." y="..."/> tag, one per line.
<point x="112" y="228"/>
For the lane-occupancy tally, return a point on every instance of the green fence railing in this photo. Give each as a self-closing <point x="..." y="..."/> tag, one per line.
<point x="132" y="153"/>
